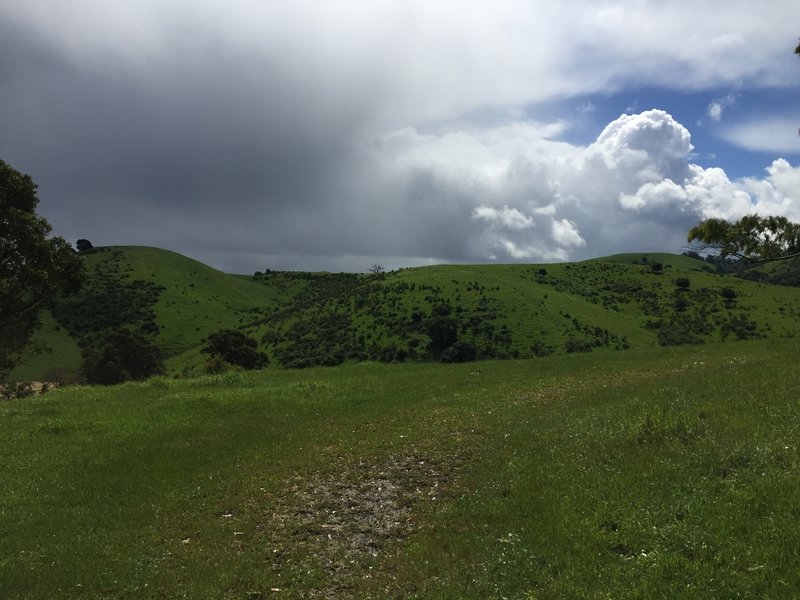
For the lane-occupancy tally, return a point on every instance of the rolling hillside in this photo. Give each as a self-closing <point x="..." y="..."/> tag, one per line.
<point x="453" y="313"/>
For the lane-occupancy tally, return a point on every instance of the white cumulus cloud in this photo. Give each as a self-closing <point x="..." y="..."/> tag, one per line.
<point x="354" y="128"/>
<point x="515" y="193"/>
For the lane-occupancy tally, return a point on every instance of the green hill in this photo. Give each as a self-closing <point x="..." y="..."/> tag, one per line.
<point x="176" y="299"/>
<point x="451" y="312"/>
<point x="676" y="261"/>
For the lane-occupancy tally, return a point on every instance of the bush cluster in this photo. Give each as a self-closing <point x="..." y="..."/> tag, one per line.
<point x="232" y="347"/>
<point x="120" y="355"/>
<point x="109" y="300"/>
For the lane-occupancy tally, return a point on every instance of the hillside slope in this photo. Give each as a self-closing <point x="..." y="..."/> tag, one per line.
<point x="176" y="299"/>
<point x="453" y="313"/>
<point x="520" y="311"/>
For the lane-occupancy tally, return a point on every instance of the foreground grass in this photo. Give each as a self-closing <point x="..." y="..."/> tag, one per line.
<point x="654" y="474"/>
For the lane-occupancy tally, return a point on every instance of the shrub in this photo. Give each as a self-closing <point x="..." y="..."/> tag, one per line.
<point x="682" y="283"/>
<point x="680" y="304"/>
<point x="459" y="352"/>
<point x="540" y="349"/>
<point x="443" y="331"/>
<point x="573" y="345"/>
<point x="60" y="375"/>
<point x="216" y="365"/>
<point x="120" y="355"/>
<point x="678" y="333"/>
<point x="236" y="348"/>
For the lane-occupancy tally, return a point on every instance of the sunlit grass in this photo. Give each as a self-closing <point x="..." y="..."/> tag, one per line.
<point x="655" y="474"/>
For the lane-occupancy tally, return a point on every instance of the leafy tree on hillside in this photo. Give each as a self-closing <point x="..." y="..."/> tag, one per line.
<point x="753" y="239"/>
<point x="459" y="352"/>
<point x="120" y="355"/>
<point x="83" y="245"/>
<point x="683" y="283"/>
<point x="443" y="332"/>
<point x="235" y="348"/>
<point x="34" y="268"/>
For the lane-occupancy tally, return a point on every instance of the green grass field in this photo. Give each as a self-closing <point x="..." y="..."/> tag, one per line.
<point x="659" y="473"/>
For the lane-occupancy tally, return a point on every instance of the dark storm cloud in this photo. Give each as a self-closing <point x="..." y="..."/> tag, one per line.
<point x="226" y="147"/>
<point x="292" y="134"/>
<point x="235" y="154"/>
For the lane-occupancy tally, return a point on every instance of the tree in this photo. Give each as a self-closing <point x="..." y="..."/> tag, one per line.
<point x="235" y="348"/>
<point x="753" y="239"/>
<point x="83" y="245"/>
<point x="459" y="352"/>
<point x="120" y="355"/>
<point x="376" y="269"/>
<point x="682" y="283"/>
<point x="34" y="268"/>
<point x="443" y="331"/>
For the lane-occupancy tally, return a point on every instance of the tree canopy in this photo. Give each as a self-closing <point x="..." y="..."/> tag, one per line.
<point x="235" y="348"/>
<point x="753" y="238"/>
<point x="120" y="355"/>
<point x="34" y="267"/>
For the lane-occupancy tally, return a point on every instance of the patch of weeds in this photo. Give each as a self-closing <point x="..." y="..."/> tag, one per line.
<point x="159" y="383"/>
<point x="655" y="427"/>
<point x="52" y="428"/>
<point x="732" y="463"/>
<point x="312" y="389"/>
<point x="227" y="379"/>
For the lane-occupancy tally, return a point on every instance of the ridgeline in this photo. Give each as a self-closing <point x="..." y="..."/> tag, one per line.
<point x="449" y="313"/>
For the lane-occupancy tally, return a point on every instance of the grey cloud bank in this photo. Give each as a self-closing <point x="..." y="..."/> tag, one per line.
<point x="331" y="135"/>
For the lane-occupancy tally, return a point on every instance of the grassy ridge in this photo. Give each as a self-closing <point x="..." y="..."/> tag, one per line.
<point x="660" y="473"/>
<point x="492" y="311"/>
<point x="196" y="299"/>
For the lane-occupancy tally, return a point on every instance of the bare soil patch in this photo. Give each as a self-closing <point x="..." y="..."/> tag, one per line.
<point x="345" y="521"/>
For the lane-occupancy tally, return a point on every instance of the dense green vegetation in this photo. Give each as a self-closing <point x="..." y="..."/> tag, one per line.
<point x="667" y="472"/>
<point x="119" y="355"/>
<point x="34" y="268"/>
<point x="452" y="313"/>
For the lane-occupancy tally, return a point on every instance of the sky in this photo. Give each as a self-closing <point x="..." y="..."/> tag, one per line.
<point x="310" y="135"/>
